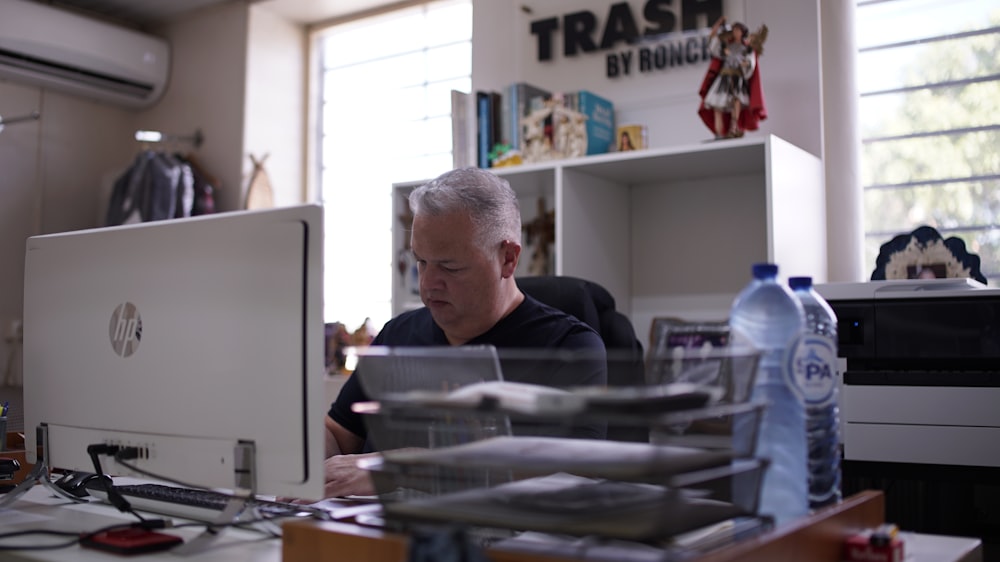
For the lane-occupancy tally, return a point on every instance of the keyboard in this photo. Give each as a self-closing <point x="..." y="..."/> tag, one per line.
<point x="189" y="503"/>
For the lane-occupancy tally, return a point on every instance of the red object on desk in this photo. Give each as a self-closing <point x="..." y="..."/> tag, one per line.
<point x="865" y="547"/>
<point x="130" y="541"/>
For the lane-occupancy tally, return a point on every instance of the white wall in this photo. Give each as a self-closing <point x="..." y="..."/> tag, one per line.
<point x="666" y="101"/>
<point x="20" y="197"/>
<point x="50" y="172"/>
<point x="207" y="91"/>
<point x="275" y="113"/>
<point x="56" y="173"/>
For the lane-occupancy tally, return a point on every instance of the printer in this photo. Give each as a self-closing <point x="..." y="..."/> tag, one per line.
<point x="920" y="360"/>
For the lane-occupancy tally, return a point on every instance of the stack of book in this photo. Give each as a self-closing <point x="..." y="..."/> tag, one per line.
<point x="536" y="123"/>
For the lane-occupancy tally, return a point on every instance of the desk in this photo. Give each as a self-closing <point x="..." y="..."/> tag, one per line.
<point x="817" y="538"/>
<point x="314" y="540"/>
<point x="39" y="509"/>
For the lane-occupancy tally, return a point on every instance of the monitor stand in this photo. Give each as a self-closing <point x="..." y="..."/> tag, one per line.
<point x="238" y="509"/>
<point x="39" y="474"/>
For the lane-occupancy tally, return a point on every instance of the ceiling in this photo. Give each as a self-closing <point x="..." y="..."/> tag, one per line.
<point x="143" y="13"/>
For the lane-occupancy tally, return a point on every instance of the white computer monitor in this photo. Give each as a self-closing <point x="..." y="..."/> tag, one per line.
<point x="189" y="338"/>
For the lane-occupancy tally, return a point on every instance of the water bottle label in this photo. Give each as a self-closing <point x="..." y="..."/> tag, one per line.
<point x="813" y="369"/>
<point x="787" y="361"/>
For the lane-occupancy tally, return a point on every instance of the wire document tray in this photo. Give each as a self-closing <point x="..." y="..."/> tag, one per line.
<point x="571" y="504"/>
<point x="454" y="463"/>
<point x="501" y="455"/>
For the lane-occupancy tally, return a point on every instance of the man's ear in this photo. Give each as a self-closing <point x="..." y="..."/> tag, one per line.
<point x="510" y="252"/>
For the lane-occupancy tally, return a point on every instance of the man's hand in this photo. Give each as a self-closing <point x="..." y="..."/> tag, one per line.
<point x="345" y="478"/>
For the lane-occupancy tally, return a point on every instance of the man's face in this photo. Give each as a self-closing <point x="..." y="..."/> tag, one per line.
<point x="459" y="283"/>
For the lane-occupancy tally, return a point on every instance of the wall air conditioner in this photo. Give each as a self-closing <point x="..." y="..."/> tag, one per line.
<point x="56" y="49"/>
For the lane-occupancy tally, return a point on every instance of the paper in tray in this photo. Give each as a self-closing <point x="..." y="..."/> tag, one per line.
<point x="586" y="457"/>
<point x="646" y="512"/>
<point x="539" y="399"/>
<point x="505" y="395"/>
<point x="659" y="398"/>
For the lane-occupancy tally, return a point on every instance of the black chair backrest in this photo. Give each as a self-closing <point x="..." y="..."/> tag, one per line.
<point x="594" y="305"/>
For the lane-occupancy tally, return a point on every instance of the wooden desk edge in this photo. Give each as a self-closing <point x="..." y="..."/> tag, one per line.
<point x="304" y="541"/>
<point x="818" y="537"/>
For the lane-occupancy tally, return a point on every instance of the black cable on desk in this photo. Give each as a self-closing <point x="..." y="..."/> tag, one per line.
<point x="114" y="497"/>
<point x="29" y="532"/>
<point x="125" y="454"/>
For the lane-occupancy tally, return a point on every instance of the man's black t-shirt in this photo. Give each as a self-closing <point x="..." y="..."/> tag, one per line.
<point x="532" y="325"/>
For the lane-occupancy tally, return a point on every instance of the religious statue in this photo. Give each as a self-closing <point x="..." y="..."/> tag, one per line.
<point x="732" y="98"/>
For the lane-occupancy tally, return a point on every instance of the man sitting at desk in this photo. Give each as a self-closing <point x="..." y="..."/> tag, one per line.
<point x="466" y="240"/>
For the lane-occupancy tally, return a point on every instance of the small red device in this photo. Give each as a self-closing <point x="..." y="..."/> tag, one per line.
<point x="875" y="545"/>
<point x="131" y="541"/>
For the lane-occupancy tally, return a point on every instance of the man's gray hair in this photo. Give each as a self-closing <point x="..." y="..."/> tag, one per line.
<point x="488" y="198"/>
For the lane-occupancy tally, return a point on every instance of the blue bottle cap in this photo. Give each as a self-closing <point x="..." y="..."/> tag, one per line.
<point x="800" y="282"/>
<point x="764" y="270"/>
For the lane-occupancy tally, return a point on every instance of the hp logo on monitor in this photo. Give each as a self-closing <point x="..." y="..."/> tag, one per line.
<point x="125" y="329"/>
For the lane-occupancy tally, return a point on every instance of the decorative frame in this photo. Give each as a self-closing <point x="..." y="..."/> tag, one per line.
<point x="924" y="253"/>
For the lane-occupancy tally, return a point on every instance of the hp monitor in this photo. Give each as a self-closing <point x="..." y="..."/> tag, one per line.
<point x="198" y="341"/>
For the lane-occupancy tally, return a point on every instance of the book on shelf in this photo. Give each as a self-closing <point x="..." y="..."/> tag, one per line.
<point x="519" y="100"/>
<point x="488" y="133"/>
<point x="483" y="134"/>
<point x="599" y="119"/>
<point x="496" y="130"/>
<point x="463" y="129"/>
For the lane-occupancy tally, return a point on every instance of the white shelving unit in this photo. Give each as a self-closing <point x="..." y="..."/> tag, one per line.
<point x="673" y="231"/>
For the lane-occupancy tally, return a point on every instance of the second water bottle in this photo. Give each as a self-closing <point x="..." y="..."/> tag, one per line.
<point x="816" y="371"/>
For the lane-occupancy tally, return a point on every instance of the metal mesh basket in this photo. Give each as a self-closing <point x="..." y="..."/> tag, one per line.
<point x="487" y="464"/>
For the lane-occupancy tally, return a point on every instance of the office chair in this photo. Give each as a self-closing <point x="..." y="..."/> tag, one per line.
<point x="594" y="305"/>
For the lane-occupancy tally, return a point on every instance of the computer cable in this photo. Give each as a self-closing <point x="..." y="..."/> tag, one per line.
<point x="29" y="532"/>
<point x="124" y="454"/>
<point x="114" y="497"/>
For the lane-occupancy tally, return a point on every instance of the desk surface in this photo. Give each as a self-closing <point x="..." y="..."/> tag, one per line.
<point x="39" y="509"/>
<point x="944" y="548"/>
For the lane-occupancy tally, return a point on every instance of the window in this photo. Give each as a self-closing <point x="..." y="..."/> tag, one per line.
<point x="386" y="86"/>
<point x="929" y="79"/>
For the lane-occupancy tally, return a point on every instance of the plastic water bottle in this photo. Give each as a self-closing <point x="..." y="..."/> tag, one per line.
<point x="816" y="371"/>
<point x="767" y="316"/>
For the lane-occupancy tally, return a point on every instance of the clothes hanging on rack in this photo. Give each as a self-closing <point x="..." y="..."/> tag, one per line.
<point x="158" y="186"/>
<point x="205" y="186"/>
